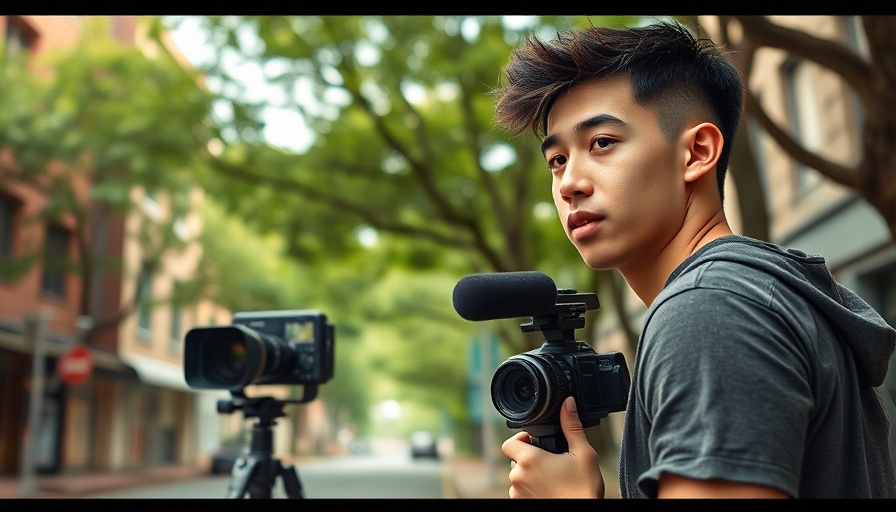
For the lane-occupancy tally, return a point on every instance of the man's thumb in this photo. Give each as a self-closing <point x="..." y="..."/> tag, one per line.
<point x="572" y="425"/>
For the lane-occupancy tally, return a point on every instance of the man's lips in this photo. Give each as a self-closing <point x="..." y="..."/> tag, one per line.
<point x="582" y="223"/>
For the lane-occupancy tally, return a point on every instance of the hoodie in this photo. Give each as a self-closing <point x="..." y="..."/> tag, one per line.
<point x="755" y="365"/>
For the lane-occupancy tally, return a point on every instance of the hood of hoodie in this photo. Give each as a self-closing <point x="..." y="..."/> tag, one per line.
<point x="868" y="336"/>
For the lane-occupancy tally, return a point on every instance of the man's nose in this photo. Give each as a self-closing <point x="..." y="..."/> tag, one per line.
<point x="575" y="181"/>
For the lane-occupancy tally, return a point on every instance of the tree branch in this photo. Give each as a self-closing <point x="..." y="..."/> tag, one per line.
<point x="832" y="55"/>
<point x="423" y="172"/>
<point x="831" y="170"/>
<point x="370" y="216"/>
<point x="758" y="32"/>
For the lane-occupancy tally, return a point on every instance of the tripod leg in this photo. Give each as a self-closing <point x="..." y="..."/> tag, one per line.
<point x="240" y="476"/>
<point x="252" y="475"/>
<point x="291" y="481"/>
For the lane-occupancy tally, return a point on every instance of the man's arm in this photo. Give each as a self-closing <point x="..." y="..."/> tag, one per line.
<point x="540" y="474"/>
<point x="675" y="486"/>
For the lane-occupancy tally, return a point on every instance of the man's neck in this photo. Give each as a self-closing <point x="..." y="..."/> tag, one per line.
<point x="647" y="278"/>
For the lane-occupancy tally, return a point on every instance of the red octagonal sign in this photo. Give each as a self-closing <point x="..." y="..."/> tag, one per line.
<point x="76" y="365"/>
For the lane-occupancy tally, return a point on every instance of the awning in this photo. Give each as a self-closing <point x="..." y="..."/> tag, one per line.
<point x="157" y="372"/>
<point x="55" y="345"/>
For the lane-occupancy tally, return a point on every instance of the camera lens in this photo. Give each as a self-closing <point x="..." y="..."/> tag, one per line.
<point x="528" y="388"/>
<point x="523" y="388"/>
<point x="231" y="357"/>
<point x="230" y="361"/>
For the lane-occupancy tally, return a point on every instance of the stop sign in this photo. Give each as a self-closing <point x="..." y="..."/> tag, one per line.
<point x="76" y="365"/>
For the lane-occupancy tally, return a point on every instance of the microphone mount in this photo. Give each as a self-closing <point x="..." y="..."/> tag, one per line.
<point x="559" y="324"/>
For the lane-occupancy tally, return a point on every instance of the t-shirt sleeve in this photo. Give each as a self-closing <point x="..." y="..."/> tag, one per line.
<point x="726" y="390"/>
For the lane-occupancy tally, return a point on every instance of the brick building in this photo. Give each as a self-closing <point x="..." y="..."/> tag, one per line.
<point x="135" y="410"/>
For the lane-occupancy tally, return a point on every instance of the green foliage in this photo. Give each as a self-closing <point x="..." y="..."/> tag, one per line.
<point x="14" y="268"/>
<point x="243" y="271"/>
<point x="116" y="114"/>
<point x="401" y="110"/>
<point x="108" y="119"/>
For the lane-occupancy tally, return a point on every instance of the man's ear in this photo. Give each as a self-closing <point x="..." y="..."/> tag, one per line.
<point x="704" y="145"/>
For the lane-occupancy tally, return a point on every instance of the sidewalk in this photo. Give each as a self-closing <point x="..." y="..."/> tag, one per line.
<point x="88" y="484"/>
<point x="471" y="479"/>
<point x="465" y="477"/>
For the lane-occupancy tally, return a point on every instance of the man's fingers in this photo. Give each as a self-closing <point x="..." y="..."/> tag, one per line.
<point x="572" y="425"/>
<point x="512" y="446"/>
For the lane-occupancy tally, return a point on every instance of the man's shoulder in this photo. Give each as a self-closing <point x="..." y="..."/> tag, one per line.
<point x="715" y="272"/>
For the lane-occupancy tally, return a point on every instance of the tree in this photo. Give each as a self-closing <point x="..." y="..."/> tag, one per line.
<point x="405" y="154"/>
<point x="108" y="121"/>
<point x="405" y="145"/>
<point x="871" y="78"/>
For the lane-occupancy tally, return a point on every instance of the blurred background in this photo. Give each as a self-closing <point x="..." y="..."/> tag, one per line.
<point x="160" y="173"/>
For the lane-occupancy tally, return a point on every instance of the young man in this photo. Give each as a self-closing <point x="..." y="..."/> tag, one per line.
<point x="755" y="373"/>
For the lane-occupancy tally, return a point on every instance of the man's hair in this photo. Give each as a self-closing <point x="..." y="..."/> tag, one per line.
<point x="670" y="70"/>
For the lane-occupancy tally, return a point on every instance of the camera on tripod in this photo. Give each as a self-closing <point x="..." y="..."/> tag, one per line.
<point x="266" y="347"/>
<point x="528" y="389"/>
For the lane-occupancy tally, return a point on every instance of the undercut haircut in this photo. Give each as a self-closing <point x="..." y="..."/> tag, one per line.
<point x="679" y="76"/>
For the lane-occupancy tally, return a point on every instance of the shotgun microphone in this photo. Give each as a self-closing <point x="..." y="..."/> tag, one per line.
<point x="504" y="295"/>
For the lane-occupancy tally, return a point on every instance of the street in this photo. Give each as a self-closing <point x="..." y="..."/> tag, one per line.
<point x="391" y="474"/>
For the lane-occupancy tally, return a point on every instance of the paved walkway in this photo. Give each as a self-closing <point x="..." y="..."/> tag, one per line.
<point x="87" y="484"/>
<point x="469" y="476"/>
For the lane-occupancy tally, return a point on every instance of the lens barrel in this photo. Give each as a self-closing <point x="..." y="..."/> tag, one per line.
<point x="233" y="357"/>
<point x="529" y="388"/>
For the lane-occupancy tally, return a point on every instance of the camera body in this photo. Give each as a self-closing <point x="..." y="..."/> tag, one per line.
<point x="528" y="389"/>
<point x="263" y="347"/>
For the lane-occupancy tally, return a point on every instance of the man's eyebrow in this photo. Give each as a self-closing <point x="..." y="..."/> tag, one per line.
<point x="591" y="122"/>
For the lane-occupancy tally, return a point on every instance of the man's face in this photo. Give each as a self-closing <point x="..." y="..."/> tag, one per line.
<point x="617" y="183"/>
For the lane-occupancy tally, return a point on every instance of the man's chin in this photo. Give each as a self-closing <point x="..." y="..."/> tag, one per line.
<point x="597" y="263"/>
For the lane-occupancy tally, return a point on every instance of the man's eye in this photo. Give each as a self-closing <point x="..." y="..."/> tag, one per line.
<point x="556" y="161"/>
<point x="601" y="143"/>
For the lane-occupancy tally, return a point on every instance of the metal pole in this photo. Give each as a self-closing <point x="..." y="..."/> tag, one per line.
<point x="34" y="334"/>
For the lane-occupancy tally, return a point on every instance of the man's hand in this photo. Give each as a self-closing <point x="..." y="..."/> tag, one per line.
<point x="538" y="473"/>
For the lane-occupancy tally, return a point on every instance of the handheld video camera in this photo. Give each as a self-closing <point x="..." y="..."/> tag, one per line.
<point x="266" y="347"/>
<point x="528" y="389"/>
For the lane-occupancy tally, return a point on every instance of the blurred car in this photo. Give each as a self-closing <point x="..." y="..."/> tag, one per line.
<point x="360" y="446"/>
<point x="424" y="444"/>
<point x="224" y="458"/>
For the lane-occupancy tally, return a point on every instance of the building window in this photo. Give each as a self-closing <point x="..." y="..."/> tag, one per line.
<point x="55" y="260"/>
<point x="754" y="132"/>
<point x="855" y="35"/>
<point x="8" y="208"/>
<point x="176" y="314"/>
<point x="12" y="266"/>
<point x="144" y="306"/>
<point x="884" y="283"/>
<point x="855" y="39"/>
<point x="805" y="123"/>
<point x="19" y="38"/>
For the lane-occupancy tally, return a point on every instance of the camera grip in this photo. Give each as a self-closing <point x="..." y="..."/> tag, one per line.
<point x="553" y="444"/>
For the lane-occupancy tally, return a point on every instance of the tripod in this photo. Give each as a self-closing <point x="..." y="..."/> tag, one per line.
<point x="256" y="471"/>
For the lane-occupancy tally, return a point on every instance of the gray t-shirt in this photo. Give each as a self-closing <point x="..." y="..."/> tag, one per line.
<point x="755" y="366"/>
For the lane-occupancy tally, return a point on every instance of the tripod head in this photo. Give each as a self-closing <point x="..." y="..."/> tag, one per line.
<point x="266" y="407"/>
<point x="256" y="471"/>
